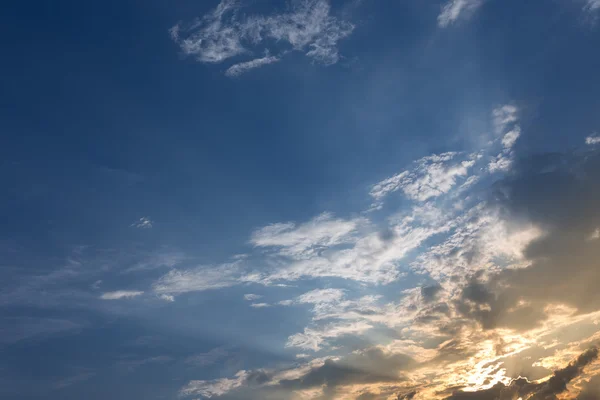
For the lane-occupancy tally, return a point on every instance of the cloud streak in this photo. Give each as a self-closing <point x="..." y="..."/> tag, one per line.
<point x="121" y="294"/>
<point x="224" y="33"/>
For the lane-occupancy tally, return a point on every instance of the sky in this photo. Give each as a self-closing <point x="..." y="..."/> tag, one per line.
<point x="300" y="199"/>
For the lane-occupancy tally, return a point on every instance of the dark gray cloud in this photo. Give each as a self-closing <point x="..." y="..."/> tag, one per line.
<point x="533" y="391"/>
<point x="370" y="366"/>
<point x="591" y="389"/>
<point x="430" y="293"/>
<point x="561" y="195"/>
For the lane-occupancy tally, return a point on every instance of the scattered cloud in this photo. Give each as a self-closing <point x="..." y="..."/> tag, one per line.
<point x="252" y="297"/>
<point x="454" y="10"/>
<point x="432" y="177"/>
<point x="593" y="139"/>
<point x="143" y="223"/>
<point x="167" y="298"/>
<point x="121" y="294"/>
<point x="224" y="33"/>
<point x="522" y="388"/>
<point x="308" y="239"/>
<point x="260" y="305"/>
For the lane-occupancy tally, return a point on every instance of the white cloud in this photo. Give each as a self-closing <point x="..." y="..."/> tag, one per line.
<point x="455" y="9"/>
<point x="143" y="223"/>
<point x="223" y="33"/>
<point x="216" y="387"/>
<point x="313" y="339"/>
<point x="243" y="67"/>
<point x="198" y="279"/>
<point x="308" y="239"/>
<point x="504" y="116"/>
<point x="121" y="294"/>
<point x="501" y="163"/>
<point x="260" y="305"/>
<point x="432" y="177"/>
<point x="593" y="139"/>
<point x="318" y="296"/>
<point x="252" y="297"/>
<point x="510" y="138"/>
<point x="167" y="297"/>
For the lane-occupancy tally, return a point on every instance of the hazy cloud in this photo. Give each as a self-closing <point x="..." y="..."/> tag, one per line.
<point x="121" y="294"/>
<point x="454" y="10"/>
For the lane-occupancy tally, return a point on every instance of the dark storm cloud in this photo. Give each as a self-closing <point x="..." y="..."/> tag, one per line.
<point x="534" y="391"/>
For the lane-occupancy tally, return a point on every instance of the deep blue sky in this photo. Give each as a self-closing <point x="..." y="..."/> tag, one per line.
<point x="105" y="122"/>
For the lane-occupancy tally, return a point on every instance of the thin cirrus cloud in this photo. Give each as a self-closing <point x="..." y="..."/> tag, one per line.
<point x="455" y="10"/>
<point x="241" y="68"/>
<point x="121" y="294"/>
<point x="222" y="34"/>
<point x="143" y="223"/>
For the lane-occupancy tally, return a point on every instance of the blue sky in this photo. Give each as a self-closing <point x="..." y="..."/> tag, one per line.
<point x="304" y="199"/>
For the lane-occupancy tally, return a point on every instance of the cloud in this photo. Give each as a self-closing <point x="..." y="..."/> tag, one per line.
<point x="209" y="358"/>
<point x="505" y="120"/>
<point x="15" y="329"/>
<point x="223" y="34"/>
<point x="243" y="67"/>
<point x="198" y="279"/>
<point x="260" y="305"/>
<point x="432" y="177"/>
<point x="522" y="388"/>
<point x="593" y="139"/>
<point x="504" y="116"/>
<point x="372" y="365"/>
<point x="592" y="5"/>
<point x="307" y="239"/>
<point x="252" y="297"/>
<point x="72" y="380"/>
<point x="314" y="339"/>
<point x="121" y="294"/>
<point x="167" y="298"/>
<point x="510" y="138"/>
<point x="454" y="10"/>
<point x="143" y="223"/>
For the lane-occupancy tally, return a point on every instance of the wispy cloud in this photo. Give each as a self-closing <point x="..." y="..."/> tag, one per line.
<point x="433" y="176"/>
<point x="309" y="238"/>
<point x="252" y="297"/>
<point x="260" y="305"/>
<point x="454" y="10"/>
<point x="223" y="33"/>
<point x="239" y="69"/>
<point x="121" y="294"/>
<point x="143" y="223"/>
<point x="198" y="279"/>
<point x="592" y="5"/>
